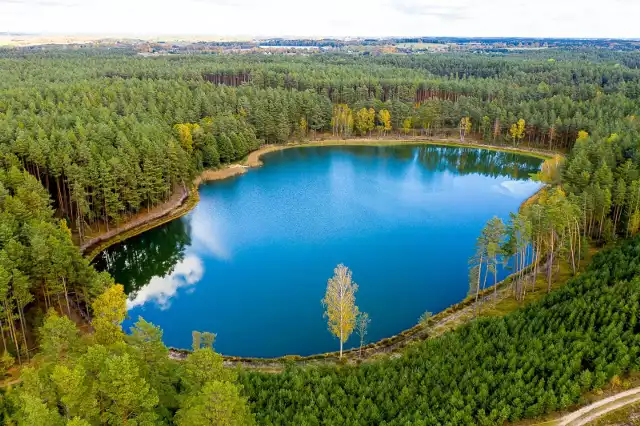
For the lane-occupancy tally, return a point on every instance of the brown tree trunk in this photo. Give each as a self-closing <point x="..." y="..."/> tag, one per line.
<point x="550" y="266"/>
<point x="4" y="342"/>
<point x="66" y="295"/>
<point x="12" y="331"/>
<point x="24" y="334"/>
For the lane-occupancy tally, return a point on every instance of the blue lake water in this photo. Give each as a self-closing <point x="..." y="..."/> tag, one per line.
<point x="251" y="261"/>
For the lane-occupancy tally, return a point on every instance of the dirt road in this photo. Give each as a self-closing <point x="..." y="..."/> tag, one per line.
<point x="594" y="411"/>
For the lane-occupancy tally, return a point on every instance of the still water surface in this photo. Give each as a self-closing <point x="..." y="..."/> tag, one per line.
<point x="251" y="261"/>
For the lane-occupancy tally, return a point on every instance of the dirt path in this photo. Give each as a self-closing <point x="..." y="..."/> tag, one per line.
<point x="157" y="212"/>
<point x="227" y="172"/>
<point x="592" y="412"/>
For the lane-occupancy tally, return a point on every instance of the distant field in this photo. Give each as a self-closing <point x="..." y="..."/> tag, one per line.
<point x="430" y="46"/>
<point x="40" y="39"/>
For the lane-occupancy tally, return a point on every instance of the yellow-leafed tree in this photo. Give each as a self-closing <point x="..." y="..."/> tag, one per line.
<point x="517" y="131"/>
<point x="303" y="126"/>
<point x="365" y="120"/>
<point x="185" y="135"/>
<point x="465" y="127"/>
<point x="407" y="125"/>
<point x="582" y="136"/>
<point x="342" y="120"/>
<point x="371" y="120"/>
<point x="109" y="310"/>
<point x="385" y="120"/>
<point x="340" y="304"/>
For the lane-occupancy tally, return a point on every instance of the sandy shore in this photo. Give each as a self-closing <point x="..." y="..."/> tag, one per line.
<point x="176" y="208"/>
<point x="227" y="172"/>
<point x="181" y="208"/>
<point x="253" y="160"/>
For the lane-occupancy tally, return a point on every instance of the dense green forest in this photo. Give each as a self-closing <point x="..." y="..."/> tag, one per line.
<point x="108" y="136"/>
<point x="536" y="360"/>
<point x="109" y="378"/>
<point x="90" y="138"/>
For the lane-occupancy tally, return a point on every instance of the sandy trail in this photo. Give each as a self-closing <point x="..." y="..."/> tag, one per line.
<point x="592" y="412"/>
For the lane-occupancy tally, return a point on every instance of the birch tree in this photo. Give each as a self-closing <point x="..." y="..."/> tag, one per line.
<point x="340" y="304"/>
<point x="362" y="327"/>
<point x="465" y="127"/>
<point x="475" y="272"/>
<point x="385" y="121"/>
<point x="494" y="236"/>
<point x="518" y="231"/>
<point x="365" y="121"/>
<point x="517" y="131"/>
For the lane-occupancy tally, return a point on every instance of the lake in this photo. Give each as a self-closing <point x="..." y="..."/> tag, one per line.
<point x="251" y="261"/>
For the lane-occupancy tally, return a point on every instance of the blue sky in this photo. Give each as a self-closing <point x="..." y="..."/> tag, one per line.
<point x="525" y="18"/>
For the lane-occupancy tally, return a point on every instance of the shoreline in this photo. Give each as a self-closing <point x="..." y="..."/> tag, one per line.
<point x="172" y="210"/>
<point x="387" y="345"/>
<point x="447" y="319"/>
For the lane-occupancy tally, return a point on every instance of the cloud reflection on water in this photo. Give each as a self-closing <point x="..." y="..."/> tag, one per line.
<point x="517" y="188"/>
<point x="207" y="232"/>
<point x="161" y="289"/>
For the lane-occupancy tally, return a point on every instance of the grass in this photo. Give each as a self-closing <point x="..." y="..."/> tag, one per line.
<point x="615" y="386"/>
<point x="559" y="279"/>
<point x="628" y="415"/>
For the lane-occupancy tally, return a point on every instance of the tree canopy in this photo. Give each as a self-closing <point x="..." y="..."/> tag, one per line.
<point x="90" y="138"/>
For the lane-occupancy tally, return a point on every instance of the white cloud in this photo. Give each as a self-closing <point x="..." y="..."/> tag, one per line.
<point x="208" y="232"/>
<point x="446" y="9"/>
<point x="540" y="18"/>
<point x="517" y="188"/>
<point x="161" y="289"/>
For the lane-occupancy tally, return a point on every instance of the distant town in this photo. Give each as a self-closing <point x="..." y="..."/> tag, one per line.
<point x="168" y="45"/>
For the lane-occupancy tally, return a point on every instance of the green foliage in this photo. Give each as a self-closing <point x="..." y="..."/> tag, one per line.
<point x="109" y="311"/>
<point x="100" y="140"/>
<point x="124" y="382"/>
<point x="534" y="361"/>
<point x="217" y="403"/>
<point x="60" y="338"/>
<point x="95" y="142"/>
<point x="203" y="366"/>
<point x="37" y="256"/>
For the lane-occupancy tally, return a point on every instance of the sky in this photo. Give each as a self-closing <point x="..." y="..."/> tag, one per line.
<point x="332" y="18"/>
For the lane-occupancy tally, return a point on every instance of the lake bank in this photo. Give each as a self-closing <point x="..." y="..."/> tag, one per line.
<point x="318" y="207"/>
<point x="177" y="207"/>
<point x="491" y="303"/>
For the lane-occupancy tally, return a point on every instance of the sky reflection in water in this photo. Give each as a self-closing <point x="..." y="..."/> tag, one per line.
<point x="251" y="261"/>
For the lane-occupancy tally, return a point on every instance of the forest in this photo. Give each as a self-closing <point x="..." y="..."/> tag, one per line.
<point x="113" y="135"/>
<point x="90" y="138"/>
<point x="536" y="360"/>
